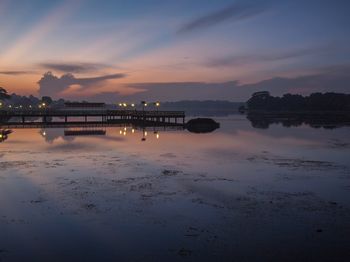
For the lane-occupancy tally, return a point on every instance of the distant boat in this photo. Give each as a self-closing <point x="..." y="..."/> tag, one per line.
<point x="202" y="125"/>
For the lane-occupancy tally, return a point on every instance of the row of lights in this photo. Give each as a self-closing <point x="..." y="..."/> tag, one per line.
<point x="143" y="103"/>
<point x="42" y="105"/>
<point x="126" y="105"/>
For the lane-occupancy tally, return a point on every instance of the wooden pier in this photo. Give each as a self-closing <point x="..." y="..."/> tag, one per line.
<point x="51" y="116"/>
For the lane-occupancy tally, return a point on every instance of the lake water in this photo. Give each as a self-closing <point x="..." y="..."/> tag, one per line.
<point x="236" y="194"/>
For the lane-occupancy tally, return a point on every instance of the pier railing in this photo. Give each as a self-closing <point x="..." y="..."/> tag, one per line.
<point x="106" y="115"/>
<point x="53" y="112"/>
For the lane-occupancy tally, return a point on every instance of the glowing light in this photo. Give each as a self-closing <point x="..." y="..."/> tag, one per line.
<point x="124" y="128"/>
<point x="157" y="104"/>
<point x="125" y="105"/>
<point x="44" y="133"/>
<point x="132" y="130"/>
<point x="0" y="136"/>
<point x="157" y="136"/>
<point x="145" y="133"/>
<point x="132" y="105"/>
<point x="120" y="132"/>
<point x="120" y="104"/>
<point x="124" y="133"/>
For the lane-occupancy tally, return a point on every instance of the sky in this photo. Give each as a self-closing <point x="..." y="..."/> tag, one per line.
<point x="125" y="50"/>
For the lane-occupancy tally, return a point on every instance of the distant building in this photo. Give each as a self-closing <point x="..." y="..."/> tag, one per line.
<point x="84" y="105"/>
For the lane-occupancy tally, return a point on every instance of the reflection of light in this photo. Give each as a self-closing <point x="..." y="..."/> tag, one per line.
<point x="124" y="133"/>
<point x="132" y="130"/>
<point x="124" y="128"/>
<point x="145" y="133"/>
<point x="157" y="136"/>
<point x="120" y="132"/>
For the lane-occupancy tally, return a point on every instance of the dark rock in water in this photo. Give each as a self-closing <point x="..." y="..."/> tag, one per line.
<point x="202" y="125"/>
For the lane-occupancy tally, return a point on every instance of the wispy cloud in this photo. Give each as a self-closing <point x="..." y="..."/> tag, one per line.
<point x="235" y="12"/>
<point x="15" y="73"/>
<point x="51" y="85"/>
<point x="73" y="67"/>
<point x="238" y="60"/>
<point x="51" y="20"/>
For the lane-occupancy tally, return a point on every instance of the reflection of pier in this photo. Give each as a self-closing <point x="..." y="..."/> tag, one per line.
<point x="53" y="117"/>
<point x="84" y="132"/>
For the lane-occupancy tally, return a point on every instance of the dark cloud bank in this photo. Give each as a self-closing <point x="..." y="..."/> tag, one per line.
<point x="332" y="79"/>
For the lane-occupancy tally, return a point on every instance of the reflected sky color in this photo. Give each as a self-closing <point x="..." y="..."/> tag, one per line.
<point x="155" y="41"/>
<point x="113" y="192"/>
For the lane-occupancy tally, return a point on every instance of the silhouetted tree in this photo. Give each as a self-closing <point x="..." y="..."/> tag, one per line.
<point x="3" y="94"/>
<point x="47" y="100"/>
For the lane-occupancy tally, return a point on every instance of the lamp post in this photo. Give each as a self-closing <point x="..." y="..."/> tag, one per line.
<point x="144" y="104"/>
<point x="157" y="104"/>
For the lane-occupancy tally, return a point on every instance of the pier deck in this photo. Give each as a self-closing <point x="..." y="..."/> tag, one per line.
<point x="82" y="116"/>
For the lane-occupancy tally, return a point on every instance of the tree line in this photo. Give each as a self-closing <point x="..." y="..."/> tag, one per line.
<point x="263" y="101"/>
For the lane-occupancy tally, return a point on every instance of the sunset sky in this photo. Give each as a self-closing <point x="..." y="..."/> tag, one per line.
<point x="173" y="50"/>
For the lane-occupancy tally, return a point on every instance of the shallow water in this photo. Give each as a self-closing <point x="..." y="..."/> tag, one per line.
<point x="239" y="193"/>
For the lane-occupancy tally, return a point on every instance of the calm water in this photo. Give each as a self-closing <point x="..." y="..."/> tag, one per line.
<point x="237" y="194"/>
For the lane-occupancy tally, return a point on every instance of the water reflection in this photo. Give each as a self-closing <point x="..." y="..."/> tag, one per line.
<point x="114" y="188"/>
<point x="52" y="134"/>
<point x="69" y="132"/>
<point x="315" y="121"/>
